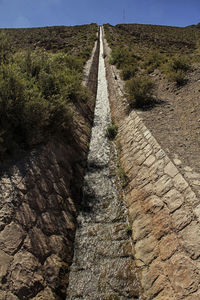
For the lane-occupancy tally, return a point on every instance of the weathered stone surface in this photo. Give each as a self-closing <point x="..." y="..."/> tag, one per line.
<point x="197" y="212"/>
<point x="11" y="238"/>
<point x="163" y="185"/>
<point x="136" y="195"/>
<point x="5" y="261"/>
<point x="62" y="247"/>
<point x="150" y="274"/>
<point x="55" y="270"/>
<point x="180" y="183"/>
<point x="170" y="170"/>
<point x="36" y="200"/>
<point x="25" y="216"/>
<point x="146" y="250"/>
<point x="167" y="294"/>
<point x="6" y="213"/>
<point x="45" y="294"/>
<point x="182" y="274"/>
<point x="134" y="212"/>
<point x="7" y="296"/>
<point x="160" y="284"/>
<point x="153" y="204"/>
<point x="150" y="160"/>
<point x="25" y="277"/>
<point x="173" y="199"/>
<point x="190" y="239"/>
<point x="193" y="296"/>
<point x="180" y="218"/>
<point x="141" y="228"/>
<point x="37" y="243"/>
<point x="168" y="245"/>
<point x="191" y="198"/>
<point x="161" y="223"/>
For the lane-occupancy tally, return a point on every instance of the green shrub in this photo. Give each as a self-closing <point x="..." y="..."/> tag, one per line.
<point x="128" y="230"/>
<point x="153" y="60"/>
<point x="121" y="56"/>
<point x="122" y="175"/>
<point x="128" y="71"/>
<point x="139" y="90"/>
<point x="179" y="63"/>
<point x="4" y="48"/>
<point x="176" y="69"/>
<point x="36" y="89"/>
<point x="111" y="131"/>
<point x="178" y="76"/>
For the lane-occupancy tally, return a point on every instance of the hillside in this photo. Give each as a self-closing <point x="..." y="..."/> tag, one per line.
<point x="41" y="84"/>
<point x="46" y="115"/>
<point x="72" y="39"/>
<point x="170" y="58"/>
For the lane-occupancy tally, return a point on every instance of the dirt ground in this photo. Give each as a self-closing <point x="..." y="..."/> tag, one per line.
<point x="175" y="121"/>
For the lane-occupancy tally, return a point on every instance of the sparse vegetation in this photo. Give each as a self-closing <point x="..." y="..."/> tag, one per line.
<point x="122" y="175"/>
<point x="111" y="131"/>
<point x="129" y="230"/>
<point x="38" y="91"/>
<point x="141" y="49"/>
<point x="176" y="69"/>
<point x="139" y="90"/>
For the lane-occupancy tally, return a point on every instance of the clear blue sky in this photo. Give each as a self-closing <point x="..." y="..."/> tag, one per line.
<point x="33" y="13"/>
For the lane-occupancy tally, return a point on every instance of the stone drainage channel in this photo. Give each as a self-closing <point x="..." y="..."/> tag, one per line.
<point x="102" y="267"/>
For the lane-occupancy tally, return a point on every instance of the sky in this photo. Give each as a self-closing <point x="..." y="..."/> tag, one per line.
<point x="39" y="13"/>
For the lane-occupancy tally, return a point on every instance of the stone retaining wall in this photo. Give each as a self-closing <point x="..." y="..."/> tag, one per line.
<point x="164" y="211"/>
<point x="39" y="197"/>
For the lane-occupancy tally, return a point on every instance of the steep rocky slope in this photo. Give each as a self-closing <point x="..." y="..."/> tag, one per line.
<point x="40" y="197"/>
<point x="163" y="205"/>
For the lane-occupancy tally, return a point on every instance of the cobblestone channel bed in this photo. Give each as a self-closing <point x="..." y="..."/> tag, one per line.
<point x="103" y="267"/>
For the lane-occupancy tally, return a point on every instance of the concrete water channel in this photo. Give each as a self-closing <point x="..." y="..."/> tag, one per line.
<point x="103" y="267"/>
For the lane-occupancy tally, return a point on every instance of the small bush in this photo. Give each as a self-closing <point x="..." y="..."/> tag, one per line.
<point x="179" y="63"/>
<point x="4" y="47"/>
<point x="176" y="69"/>
<point x="128" y="72"/>
<point x="121" y="57"/>
<point x="152" y="61"/>
<point x="128" y="230"/>
<point x="122" y="175"/>
<point x="139" y="90"/>
<point x="111" y="131"/>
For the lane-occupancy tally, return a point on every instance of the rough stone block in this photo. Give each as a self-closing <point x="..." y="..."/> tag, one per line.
<point x="173" y="199"/>
<point x="161" y="223"/>
<point x="180" y="183"/>
<point x="181" y="218"/>
<point x="45" y="294"/>
<point x="141" y="227"/>
<point x="168" y="245"/>
<point x="190" y="239"/>
<point x="146" y="251"/>
<point x="190" y="197"/>
<point x="153" y="204"/>
<point x="11" y="238"/>
<point x="170" y="170"/>
<point x="182" y="273"/>
<point x="149" y="161"/>
<point x="26" y="278"/>
<point x="5" y="261"/>
<point x="163" y="185"/>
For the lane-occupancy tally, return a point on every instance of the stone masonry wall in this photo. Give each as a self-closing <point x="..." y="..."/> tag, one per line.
<point x="164" y="211"/>
<point x="39" y="197"/>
